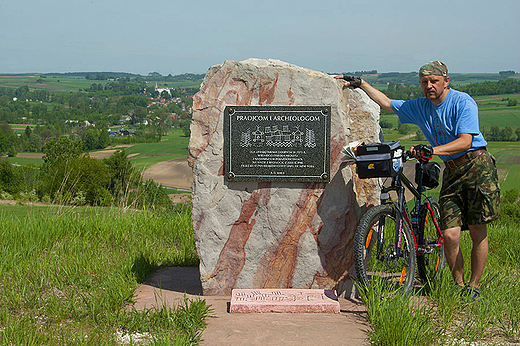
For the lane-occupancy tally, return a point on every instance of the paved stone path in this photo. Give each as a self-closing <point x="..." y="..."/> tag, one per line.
<point x="169" y="285"/>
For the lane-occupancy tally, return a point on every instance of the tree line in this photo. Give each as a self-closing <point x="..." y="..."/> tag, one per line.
<point x="69" y="176"/>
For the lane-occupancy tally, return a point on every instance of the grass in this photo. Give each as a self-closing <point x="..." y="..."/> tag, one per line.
<point x="493" y="110"/>
<point x="25" y="161"/>
<point x="441" y="316"/>
<point x="172" y="146"/>
<point x="66" y="275"/>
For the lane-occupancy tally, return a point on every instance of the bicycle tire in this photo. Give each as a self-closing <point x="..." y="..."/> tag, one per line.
<point x="396" y="272"/>
<point x="432" y="260"/>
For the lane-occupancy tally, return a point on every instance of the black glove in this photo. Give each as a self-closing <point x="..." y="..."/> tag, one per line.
<point x="427" y="149"/>
<point x="355" y="82"/>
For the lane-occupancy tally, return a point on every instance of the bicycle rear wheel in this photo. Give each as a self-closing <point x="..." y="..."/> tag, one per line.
<point x="375" y="255"/>
<point x="430" y="255"/>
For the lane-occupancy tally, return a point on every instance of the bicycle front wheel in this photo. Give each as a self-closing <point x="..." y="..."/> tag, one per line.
<point x="378" y="256"/>
<point x="430" y="256"/>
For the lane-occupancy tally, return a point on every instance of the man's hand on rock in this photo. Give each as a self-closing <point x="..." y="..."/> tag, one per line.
<point x="352" y="81"/>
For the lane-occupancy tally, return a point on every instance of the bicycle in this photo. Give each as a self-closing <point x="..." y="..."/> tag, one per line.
<point x="391" y="241"/>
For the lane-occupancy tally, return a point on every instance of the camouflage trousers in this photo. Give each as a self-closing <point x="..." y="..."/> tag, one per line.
<point x="470" y="193"/>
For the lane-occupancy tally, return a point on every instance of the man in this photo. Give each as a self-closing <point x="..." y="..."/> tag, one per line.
<point x="470" y="194"/>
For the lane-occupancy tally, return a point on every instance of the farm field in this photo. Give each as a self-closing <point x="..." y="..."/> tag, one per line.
<point x="493" y="110"/>
<point x="50" y="83"/>
<point x="66" y="83"/>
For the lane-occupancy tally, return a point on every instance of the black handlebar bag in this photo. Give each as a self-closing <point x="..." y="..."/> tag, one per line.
<point x="379" y="160"/>
<point x="431" y="173"/>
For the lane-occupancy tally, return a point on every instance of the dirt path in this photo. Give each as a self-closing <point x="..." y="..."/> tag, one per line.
<point x="172" y="173"/>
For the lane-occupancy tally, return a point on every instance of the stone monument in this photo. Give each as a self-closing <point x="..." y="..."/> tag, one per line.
<point x="272" y="233"/>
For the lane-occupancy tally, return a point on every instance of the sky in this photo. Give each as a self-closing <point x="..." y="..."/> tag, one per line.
<point x="333" y="36"/>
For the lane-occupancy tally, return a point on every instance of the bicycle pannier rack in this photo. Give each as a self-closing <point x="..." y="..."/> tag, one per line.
<point x="379" y="160"/>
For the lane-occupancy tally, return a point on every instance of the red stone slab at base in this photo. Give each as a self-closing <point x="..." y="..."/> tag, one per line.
<point x="284" y="300"/>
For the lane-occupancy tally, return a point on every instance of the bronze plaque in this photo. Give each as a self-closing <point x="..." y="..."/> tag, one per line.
<point x="277" y="143"/>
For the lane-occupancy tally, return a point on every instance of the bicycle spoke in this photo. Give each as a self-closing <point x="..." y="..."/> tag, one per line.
<point x="377" y="231"/>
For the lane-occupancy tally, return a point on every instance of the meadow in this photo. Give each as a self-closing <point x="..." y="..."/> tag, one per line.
<point x="172" y="146"/>
<point x="67" y="275"/>
<point x="493" y="110"/>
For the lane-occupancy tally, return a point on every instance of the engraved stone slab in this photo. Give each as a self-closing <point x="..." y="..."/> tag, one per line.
<point x="284" y="300"/>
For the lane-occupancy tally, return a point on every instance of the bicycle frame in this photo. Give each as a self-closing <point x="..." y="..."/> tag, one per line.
<point x="399" y="183"/>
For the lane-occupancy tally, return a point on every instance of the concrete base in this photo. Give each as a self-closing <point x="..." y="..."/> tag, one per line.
<point x="284" y="301"/>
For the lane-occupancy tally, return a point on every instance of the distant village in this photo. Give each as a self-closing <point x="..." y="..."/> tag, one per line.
<point x="126" y="119"/>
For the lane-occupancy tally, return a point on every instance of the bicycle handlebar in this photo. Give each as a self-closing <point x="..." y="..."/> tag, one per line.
<point x="427" y="157"/>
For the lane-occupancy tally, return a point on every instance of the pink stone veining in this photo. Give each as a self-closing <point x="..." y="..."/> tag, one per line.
<point x="232" y="256"/>
<point x="317" y="213"/>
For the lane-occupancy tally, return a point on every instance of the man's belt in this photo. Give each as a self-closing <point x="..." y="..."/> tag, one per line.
<point x="452" y="164"/>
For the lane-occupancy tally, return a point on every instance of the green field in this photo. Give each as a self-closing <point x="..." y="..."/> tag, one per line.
<point x="65" y="83"/>
<point x="50" y="83"/>
<point x="175" y="145"/>
<point x="172" y="146"/>
<point x="493" y="110"/>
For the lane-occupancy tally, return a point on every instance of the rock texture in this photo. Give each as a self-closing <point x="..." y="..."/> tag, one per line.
<point x="276" y="234"/>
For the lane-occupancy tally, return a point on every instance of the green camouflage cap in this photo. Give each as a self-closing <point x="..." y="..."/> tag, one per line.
<point x="436" y="68"/>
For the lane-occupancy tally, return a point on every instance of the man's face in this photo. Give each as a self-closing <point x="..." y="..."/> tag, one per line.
<point x="433" y="87"/>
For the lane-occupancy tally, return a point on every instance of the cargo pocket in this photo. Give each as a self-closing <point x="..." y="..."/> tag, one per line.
<point x="490" y="201"/>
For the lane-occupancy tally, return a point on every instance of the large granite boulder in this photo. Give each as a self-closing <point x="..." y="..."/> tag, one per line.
<point x="277" y="234"/>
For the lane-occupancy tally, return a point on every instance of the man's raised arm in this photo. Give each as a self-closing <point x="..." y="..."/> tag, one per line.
<point x="381" y="99"/>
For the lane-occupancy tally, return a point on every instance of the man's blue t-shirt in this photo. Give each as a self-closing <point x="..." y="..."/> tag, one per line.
<point x="441" y="124"/>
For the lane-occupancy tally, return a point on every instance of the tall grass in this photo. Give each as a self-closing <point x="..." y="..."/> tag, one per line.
<point x="67" y="273"/>
<point x="440" y="316"/>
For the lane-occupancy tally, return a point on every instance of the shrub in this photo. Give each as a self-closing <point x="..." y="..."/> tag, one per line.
<point x="30" y="196"/>
<point x="385" y="124"/>
<point x="10" y="178"/>
<point x="5" y="195"/>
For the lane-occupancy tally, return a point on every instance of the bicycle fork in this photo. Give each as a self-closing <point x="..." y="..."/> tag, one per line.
<point x="399" y="222"/>
<point x="396" y="251"/>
